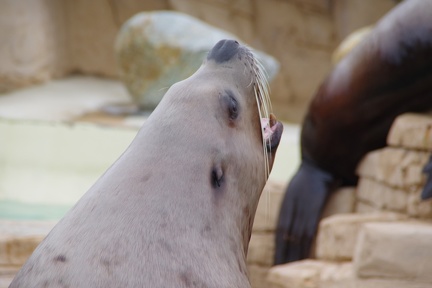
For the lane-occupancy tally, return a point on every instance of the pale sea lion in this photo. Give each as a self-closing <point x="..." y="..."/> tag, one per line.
<point x="387" y="74"/>
<point x="176" y="209"/>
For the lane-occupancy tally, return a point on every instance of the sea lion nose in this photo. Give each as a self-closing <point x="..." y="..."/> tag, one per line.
<point x="223" y="51"/>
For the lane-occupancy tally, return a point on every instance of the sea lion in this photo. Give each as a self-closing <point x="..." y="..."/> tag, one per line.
<point x="387" y="74"/>
<point x="176" y="209"/>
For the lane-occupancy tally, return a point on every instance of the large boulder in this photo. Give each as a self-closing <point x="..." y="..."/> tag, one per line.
<point x="157" y="49"/>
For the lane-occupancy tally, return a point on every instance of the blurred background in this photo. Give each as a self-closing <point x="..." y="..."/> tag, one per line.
<point x="69" y="102"/>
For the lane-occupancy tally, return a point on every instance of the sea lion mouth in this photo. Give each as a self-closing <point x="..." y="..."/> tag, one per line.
<point x="272" y="132"/>
<point x="231" y="50"/>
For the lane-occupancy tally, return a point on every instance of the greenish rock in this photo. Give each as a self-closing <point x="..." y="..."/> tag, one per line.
<point x="156" y="49"/>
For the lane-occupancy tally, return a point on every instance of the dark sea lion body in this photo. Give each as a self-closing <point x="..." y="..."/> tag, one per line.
<point x="387" y="74"/>
<point x="176" y="209"/>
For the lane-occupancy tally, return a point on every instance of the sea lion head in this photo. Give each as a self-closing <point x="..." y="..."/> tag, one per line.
<point x="245" y="97"/>
<point x="223" y="105"/>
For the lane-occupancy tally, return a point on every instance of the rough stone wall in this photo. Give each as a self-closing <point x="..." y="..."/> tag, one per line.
<point x="386" y="241"/>
<point x="42" y="39"/>
<point x="32" y="46"/>
<point x="45" y="39"/>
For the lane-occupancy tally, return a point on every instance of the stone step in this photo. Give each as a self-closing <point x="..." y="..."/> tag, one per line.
<point x="398" y="251"/>
<point x="310" y="274"/>
<point x="337" y="235"/>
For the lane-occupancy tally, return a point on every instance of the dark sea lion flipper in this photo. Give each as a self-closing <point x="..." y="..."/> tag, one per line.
<point x="427" y="189"/>
<point x="300" y="213"/>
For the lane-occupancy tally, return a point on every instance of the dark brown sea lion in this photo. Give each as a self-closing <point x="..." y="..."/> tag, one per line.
<point x="387" y="74"/>
<point x="176" y="209"/>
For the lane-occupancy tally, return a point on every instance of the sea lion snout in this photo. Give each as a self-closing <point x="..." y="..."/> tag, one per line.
<point x="223" y="51"/>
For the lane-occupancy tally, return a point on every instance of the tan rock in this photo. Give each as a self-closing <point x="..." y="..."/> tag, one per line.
<point x="258" y="276"/>
<point x="157" y="49"/>
<point x="355" y="14"/>
<point x="33" y="47"/>
<point x="16" y="250"/>
<point x="300" y="274"/>
<point x="419" y="208"/>
<point x="261" y="249"/>
<point x="310" y="274"/>
<point x="18" y="239"/>
<point x="387" y="283"/>
<point x="363" y="207"/>
<point x="52" y="38"/>
<point x="397" y="251"/>
<point x="92" y="28"/>
<point x="268" y="207"/>
<point x="337" y="234"/>
<point x="396" y="167"/>
<point x="411" y="131"/>
<point x="381" y="196"/>
<point x="340" y="201"/>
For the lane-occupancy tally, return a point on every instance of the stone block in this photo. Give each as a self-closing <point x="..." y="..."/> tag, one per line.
<point x="381" y="196"/>
<point x="419" y="208"/>
<point x="261" y="249"/>
<point x="364" y="207"/>
<point x="397" y="251"/>
<point x="411" y="131"/>
<point x="341" y="201"/>
<point x="267" y="211"/>
<point x="396" y="167"/>
<point x="337" y="234"/>
<point x="310" y="274"/>
<point x="258" y="276"/>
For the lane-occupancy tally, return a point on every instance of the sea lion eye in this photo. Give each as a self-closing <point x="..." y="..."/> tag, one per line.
<point x="230" y="104"/>
<point x="232" y="107"/>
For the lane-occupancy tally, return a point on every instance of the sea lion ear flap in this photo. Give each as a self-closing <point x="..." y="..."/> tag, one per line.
<point x="427" y="189"/>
